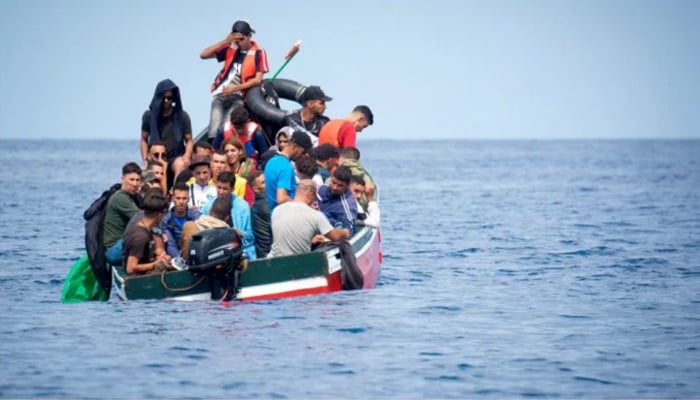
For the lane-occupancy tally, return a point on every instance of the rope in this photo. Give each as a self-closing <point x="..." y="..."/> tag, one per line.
<point x="165" y="285"/>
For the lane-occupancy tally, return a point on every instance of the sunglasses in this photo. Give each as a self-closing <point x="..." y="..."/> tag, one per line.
<point x="158" y="155"/>
<point x="166" y="98"/>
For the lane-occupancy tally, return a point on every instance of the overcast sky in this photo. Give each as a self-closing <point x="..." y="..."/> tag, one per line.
<point x="455" y="69"/>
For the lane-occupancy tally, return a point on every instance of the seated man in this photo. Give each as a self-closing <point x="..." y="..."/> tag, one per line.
<point x="244" y="65"/>
<point x="296" y="226"/>
<point x="157" y="169"/>
<point x="176" y="218"/>
<point x="280" y="180"/>
<point x="165" y="121"/>
<point x="337" y="201"/>
<point x="219" y="164"/>
<point x="260" y="216"/>
<point x="368" y="212"/>
<point x="305" y="167"/>
<point x="201" y="189"/>
<point x="121" y="206"/>
<point x="327" y="159"/>
<point x="310" y="118"/>
<point x="219" y="217"/>
<point x="350" y="157"/>
<point x="240" y="212"/>
<point x="138" y="254"/>
<point x="342" y="132"/>
<point x="202" y="149"/>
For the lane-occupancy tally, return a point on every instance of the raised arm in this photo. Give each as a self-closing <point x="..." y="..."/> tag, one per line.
<point x="210" y="51"/>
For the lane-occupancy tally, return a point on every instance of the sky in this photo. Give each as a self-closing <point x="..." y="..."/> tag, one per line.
<point x="496" y="69"/>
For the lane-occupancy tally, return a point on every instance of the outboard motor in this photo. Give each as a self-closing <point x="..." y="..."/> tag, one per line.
<point x="217" y="253"/>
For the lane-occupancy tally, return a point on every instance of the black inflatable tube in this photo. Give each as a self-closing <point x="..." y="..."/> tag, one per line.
<point x="267" y="112"/>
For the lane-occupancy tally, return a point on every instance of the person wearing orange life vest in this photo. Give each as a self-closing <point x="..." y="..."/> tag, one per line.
<point x="342" y="132"/>
<point x="244" y="65"/>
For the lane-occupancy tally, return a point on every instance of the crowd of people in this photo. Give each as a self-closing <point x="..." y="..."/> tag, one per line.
<point x="283" y="194"/>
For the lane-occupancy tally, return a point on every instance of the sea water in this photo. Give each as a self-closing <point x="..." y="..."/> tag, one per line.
<point x="511" y="269"/>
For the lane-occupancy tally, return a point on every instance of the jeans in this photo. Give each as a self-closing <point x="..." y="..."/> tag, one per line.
<point x="113" y="255"/>
<point x="221" y="107"/>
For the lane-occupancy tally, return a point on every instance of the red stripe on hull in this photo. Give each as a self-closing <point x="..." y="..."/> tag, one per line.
<point x="334" y="284"/>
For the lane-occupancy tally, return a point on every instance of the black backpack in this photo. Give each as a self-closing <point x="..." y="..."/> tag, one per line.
<point x="94" y="220"/>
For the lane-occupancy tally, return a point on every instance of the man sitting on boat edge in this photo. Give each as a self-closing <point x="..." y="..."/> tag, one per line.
<point x="244" y="65"/>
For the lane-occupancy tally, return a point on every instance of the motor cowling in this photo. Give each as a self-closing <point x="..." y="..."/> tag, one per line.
<point x="218" y="254"/>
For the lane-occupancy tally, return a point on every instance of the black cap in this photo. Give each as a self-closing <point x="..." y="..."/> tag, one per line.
<point x="367" y="113"/>
<point x="325" y="152"/>
<point x="242" y="27"/>
<point x="314" y="93"/>
<point x="302" y="140"/>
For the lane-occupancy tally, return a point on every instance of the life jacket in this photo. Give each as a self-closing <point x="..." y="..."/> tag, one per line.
<point x="330" y="132"/>
<point x="94" y="220"/>
<point x="247" y="68"/>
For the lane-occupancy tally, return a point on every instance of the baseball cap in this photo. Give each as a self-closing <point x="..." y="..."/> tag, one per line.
<point x="302" y="140"/>
<point x="242" y="27"/>
<point x="314" y="93"/>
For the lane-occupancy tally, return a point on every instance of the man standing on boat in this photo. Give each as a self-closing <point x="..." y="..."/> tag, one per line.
<point x="310" y="118"/>
<point x="244" y="65"/>
<point x="166" y="121"/>
<point x="342" y="132"/>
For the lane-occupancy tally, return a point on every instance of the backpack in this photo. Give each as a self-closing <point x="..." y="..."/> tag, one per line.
<point x="94" y="220"/>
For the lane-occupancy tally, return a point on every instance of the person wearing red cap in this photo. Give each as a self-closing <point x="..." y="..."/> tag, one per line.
<point x="244" y="65"/>
<point x="342" y="132"/>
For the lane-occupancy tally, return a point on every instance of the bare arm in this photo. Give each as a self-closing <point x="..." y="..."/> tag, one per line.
<point x="189" y="146"/>
<point x="133" y="266"/>
<point x="282" y="196"/>
<point x="144" y="147"/>
<point x="210" y="51"/>
<point x="338" y="234"/>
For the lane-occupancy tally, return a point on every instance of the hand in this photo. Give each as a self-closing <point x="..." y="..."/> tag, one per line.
<point x="233" y="37"/>
<point x="238" y="232"/>
<point x="163" y="257"/>
<point x="229" y="90"/>
<point x="318" y="239"/>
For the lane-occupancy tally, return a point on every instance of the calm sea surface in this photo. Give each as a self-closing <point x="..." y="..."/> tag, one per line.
<point x="511" y="269"/>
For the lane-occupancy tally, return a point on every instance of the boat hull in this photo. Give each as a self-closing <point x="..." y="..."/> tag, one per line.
<point x="269" y="278"/>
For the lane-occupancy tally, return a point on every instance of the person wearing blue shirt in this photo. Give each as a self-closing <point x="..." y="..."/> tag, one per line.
<point x="337" y="201"/>
<point x="176" y="218"/>
<point x="240" y="212"/>
<point x="280" y="182"/>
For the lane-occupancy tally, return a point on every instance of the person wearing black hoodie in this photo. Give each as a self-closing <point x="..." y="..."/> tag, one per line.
<point x="166" y="121"/>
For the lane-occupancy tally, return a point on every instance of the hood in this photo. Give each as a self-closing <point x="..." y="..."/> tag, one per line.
<point x="209" y="222"/>
<point x="162" y="87"/>
<point x="177" y="115"/>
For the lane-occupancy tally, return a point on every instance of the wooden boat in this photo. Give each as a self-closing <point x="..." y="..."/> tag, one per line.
<point x="269" y="278"/>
